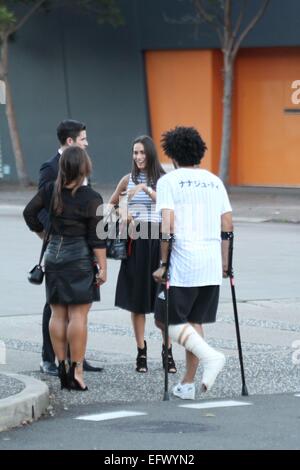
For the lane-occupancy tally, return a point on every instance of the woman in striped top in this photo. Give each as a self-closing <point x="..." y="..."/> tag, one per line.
<point x="136" y="290"/>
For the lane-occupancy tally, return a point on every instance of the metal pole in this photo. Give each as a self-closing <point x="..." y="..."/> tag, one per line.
<point x="166" y="338"/>
<point x="166" y="322"/>
<point x="236" y="319"/>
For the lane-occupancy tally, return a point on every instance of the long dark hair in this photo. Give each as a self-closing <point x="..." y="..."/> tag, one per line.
<point x="74" y="166"/>
<point x="154" y="169"/>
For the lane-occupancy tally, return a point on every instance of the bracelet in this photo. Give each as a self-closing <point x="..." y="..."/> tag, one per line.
<point x="162" y="265"/>
<point x="149" y="190"/>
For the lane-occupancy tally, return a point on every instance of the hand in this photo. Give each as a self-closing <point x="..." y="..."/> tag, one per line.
<point x="132" y="192"/>
<point x="101" y="277"/>
<point x="159" y="275"/>
<point x="128" y="219"/>
<point x="125" y="216"/>
<point x="225" y="271"/>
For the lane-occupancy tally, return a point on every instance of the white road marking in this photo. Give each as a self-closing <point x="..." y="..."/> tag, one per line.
<point x="216" y="404"/>
<point x="297" y="395"/>
<point x="112" y="415"/>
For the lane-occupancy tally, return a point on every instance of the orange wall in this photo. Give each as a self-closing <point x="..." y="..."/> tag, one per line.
<point x="181" y="92"/>
<point x="217" y="106"/>
<point x="266" y="148"/>
<point x="185" y="88"/>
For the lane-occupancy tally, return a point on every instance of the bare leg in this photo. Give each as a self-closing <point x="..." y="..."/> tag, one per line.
<point x="163" y="340"/>
<point x="192" y="362"/>
<point x="138" y="323"/>
<point x="77" y="336"/>
<point x="161" y="326"/>
<point x="58" y="330"/>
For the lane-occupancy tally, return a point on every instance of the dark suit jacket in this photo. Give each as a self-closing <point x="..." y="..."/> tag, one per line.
<point x="48" y="173"/>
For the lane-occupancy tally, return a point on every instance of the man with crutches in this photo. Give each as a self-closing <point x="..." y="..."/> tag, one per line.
<point x="195" y="209"/>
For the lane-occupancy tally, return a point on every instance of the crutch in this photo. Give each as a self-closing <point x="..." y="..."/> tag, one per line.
<point x="236" y="319"/>
<point x="166" y="322"/>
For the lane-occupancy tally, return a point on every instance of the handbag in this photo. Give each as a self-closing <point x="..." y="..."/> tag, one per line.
<point x="36" y="275"/>
<point x="116" y="245"/>
<point x="116" y="249"/>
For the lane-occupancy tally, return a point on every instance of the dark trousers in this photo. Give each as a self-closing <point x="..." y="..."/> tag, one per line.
<point x="47" y="351"/>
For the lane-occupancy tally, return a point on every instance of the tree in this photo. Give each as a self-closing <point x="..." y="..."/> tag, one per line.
<point x="231" y="30"/>
<point x="14" y="14"/>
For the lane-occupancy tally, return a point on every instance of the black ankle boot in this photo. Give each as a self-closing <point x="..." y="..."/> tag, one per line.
<point x="141" y="360"/>
<point x="73" y="382"/>
<point x="63" y="376"/>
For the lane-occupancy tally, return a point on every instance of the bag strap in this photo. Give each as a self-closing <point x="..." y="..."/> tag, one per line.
<point x="49" y="226"/>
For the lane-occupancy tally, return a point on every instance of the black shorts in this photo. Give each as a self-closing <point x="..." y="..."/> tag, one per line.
<point x="188" y="304"/>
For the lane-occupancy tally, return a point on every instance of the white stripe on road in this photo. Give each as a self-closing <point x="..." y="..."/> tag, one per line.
<point x="297" y="395"/>
<point x="216" y="404"/>
<point x="113" y="415"/>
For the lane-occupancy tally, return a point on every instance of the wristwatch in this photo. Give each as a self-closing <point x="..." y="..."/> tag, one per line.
<point x="149" y="190"/>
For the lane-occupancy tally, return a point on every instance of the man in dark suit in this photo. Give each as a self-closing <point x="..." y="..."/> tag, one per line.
<point x="69" y="132"/>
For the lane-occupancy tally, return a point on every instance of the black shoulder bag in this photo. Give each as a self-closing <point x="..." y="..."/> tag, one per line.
<point x="116" y="246"/>
<point x="36" y="275"/>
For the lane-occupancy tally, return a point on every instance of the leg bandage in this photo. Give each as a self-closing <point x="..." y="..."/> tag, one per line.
<point x="213" y="361"/>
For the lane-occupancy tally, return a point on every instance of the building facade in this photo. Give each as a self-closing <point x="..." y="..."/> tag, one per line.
<point x="155" y="72"/>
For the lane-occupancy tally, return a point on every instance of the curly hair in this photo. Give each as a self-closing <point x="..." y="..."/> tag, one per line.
<point x="184" y="145"/>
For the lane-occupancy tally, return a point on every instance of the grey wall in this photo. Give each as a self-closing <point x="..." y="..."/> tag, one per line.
<point x="162" y="25"/>
<point x="100" y="82"/>
<point x="65" y="65"/>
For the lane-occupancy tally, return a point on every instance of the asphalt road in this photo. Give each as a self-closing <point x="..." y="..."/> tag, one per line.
<point x="256" y="422"/>
<point x="266" y="262"/>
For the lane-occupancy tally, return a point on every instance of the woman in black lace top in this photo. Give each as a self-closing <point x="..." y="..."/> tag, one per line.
<point x="69" y="258"/>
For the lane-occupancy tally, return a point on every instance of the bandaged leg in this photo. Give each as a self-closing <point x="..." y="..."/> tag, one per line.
<point x="213" y="361"/>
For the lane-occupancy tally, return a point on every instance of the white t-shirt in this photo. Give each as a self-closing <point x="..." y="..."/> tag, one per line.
<point x="198" y="199"/>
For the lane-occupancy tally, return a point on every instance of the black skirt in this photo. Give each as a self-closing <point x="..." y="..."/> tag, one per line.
<point x="69" y="272"/>
<point x="136" y="289"/>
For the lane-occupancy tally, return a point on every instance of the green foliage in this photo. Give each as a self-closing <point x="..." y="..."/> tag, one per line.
<point x="104" y="11"/>
<point x="7" y="18"/>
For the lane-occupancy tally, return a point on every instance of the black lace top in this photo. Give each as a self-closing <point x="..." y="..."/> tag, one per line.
<point x="78" y="218"/>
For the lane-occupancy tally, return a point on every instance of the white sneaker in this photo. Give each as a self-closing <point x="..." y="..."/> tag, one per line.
<point x="185" y="391"/>
<point x="212" y="368"/>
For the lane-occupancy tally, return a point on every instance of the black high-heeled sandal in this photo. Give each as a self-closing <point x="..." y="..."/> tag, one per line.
<point x="141" y="360"/>
<point x="73" y="382"/>
<point x="172" y="369"/>
<point x="63" y="376"/>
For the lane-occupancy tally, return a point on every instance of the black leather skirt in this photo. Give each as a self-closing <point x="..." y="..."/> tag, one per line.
<point x="69" y="272"/>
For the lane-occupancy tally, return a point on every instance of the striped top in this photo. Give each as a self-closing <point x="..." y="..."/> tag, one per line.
<point x="141" y="206"/>
<point x="198" y="199"/>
